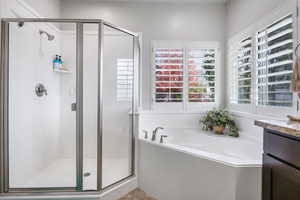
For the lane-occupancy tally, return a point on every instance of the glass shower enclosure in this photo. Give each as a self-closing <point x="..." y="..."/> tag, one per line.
<point x="69" y="93"/>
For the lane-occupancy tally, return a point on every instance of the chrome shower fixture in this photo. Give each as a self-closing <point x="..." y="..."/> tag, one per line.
<point x="50" y="37"/>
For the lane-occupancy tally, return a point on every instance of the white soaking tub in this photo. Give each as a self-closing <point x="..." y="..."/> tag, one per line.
<point x="195" y="165"/>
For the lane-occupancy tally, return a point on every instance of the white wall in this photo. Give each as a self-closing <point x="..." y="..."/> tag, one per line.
<point x="157" y="21"/>
<point x="48" y="8"/>
<point x="44" y="8"/>
<point x="243" y="13"/>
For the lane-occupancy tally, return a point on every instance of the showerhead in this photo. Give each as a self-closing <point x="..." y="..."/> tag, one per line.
<point x="50" y="37"/>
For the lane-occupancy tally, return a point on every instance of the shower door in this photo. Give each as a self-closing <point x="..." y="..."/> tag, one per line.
<point x="117" y="105"/>
<point x="68" y="98"/>
<point x="41" y="130"/>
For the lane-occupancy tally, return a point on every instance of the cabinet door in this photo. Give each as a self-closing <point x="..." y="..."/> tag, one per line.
<point x="280" y="180"/>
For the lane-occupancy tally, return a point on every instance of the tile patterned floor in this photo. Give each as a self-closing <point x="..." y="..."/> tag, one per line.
<point x="137" y="194"/>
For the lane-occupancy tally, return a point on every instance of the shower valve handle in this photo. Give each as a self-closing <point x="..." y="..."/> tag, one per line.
<point x="40" y="90"/>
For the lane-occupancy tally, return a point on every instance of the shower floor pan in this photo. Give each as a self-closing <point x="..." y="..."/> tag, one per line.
<point x="62" y="173"/>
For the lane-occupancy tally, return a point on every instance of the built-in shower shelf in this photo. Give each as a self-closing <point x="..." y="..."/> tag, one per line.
<point x="62" y="71"/>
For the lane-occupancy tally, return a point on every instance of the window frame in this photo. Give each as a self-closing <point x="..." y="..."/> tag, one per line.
<point x="185" y="105"/>
<point x="276" y="111"/>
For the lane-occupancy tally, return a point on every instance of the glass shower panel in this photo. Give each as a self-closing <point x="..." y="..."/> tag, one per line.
<point x="117" y="118"/>
<point x="42" y="126"/>
<point x="90" y="105"/>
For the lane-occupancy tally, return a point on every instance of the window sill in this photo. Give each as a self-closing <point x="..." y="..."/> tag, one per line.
<point x="153" y="112"/>
<point x="247" y="115"/>
<point x="255" y="116"/>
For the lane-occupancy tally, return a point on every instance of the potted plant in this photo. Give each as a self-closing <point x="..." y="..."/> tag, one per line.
<point x="218" y="120"/>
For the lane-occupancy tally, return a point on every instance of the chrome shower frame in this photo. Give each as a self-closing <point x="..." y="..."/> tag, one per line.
<point x="77" y="192"/>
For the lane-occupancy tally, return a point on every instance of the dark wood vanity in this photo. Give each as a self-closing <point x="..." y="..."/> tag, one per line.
<point x="281" y="160"/>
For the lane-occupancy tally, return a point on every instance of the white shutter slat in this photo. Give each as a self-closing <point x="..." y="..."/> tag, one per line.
<point x="280" y="34"/>
<point x="284" y="22"/>
<point x="271" y="47"/>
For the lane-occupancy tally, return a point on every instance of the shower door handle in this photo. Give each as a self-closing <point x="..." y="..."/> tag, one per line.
<point x="74" y="107"/>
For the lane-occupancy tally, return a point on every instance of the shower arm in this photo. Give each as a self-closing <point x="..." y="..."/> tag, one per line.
<point x="50" y="37"/>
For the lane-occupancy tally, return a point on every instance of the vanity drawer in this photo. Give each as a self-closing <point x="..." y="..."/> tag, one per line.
<point x="284" y="148"/>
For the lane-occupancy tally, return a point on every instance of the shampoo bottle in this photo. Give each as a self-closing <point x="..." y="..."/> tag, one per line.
<point x="60" y="63"/>
<point x="56" y="63"/>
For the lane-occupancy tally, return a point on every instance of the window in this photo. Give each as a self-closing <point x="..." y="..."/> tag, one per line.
<point x="262" y="80"/>
<point x="184" y="75"/>
<point x="241" y="72"/>
<point x="275" y="64"/>
<point x="125" y="79"/>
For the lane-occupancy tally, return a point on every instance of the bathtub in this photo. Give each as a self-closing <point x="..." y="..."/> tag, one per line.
<point x="192" y="164"/>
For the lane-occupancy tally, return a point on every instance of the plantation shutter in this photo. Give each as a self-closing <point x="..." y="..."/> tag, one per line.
<point x="201" y="75"/>
<point x="233" y="63"/>
<point x="125" y="79"/>
<point x="168" y="83"/>
<point x="241" y="65"/>
<point x="244" y="72"/>
<point x="275" y="63"/>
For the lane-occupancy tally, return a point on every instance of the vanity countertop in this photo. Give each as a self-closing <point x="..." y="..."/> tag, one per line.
<point x="285" y="126"/>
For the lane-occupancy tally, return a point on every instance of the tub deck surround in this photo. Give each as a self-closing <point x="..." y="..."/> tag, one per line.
<point x="192" y="164"/>
<point x="285" y="126"/>
<point x="233" y="152"/>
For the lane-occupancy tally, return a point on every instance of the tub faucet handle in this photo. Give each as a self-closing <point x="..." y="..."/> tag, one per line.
<point x="155" y="132"/>
<point x="162" y="138"/>
<point x="146" y="134"/>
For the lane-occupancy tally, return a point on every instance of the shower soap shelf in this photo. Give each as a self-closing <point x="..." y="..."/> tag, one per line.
<point x="62" y="71"/>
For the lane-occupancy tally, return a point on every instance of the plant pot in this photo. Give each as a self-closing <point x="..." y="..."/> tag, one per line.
<point x="219" y="130"/>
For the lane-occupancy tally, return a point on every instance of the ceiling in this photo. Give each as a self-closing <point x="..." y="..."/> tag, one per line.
<point x="166" y="1"/>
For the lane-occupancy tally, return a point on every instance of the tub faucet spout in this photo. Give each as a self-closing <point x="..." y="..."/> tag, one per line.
<point x="155" y="133"/>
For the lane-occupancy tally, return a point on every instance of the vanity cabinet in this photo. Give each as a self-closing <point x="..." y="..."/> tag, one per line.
<point x="281" y="166"/>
